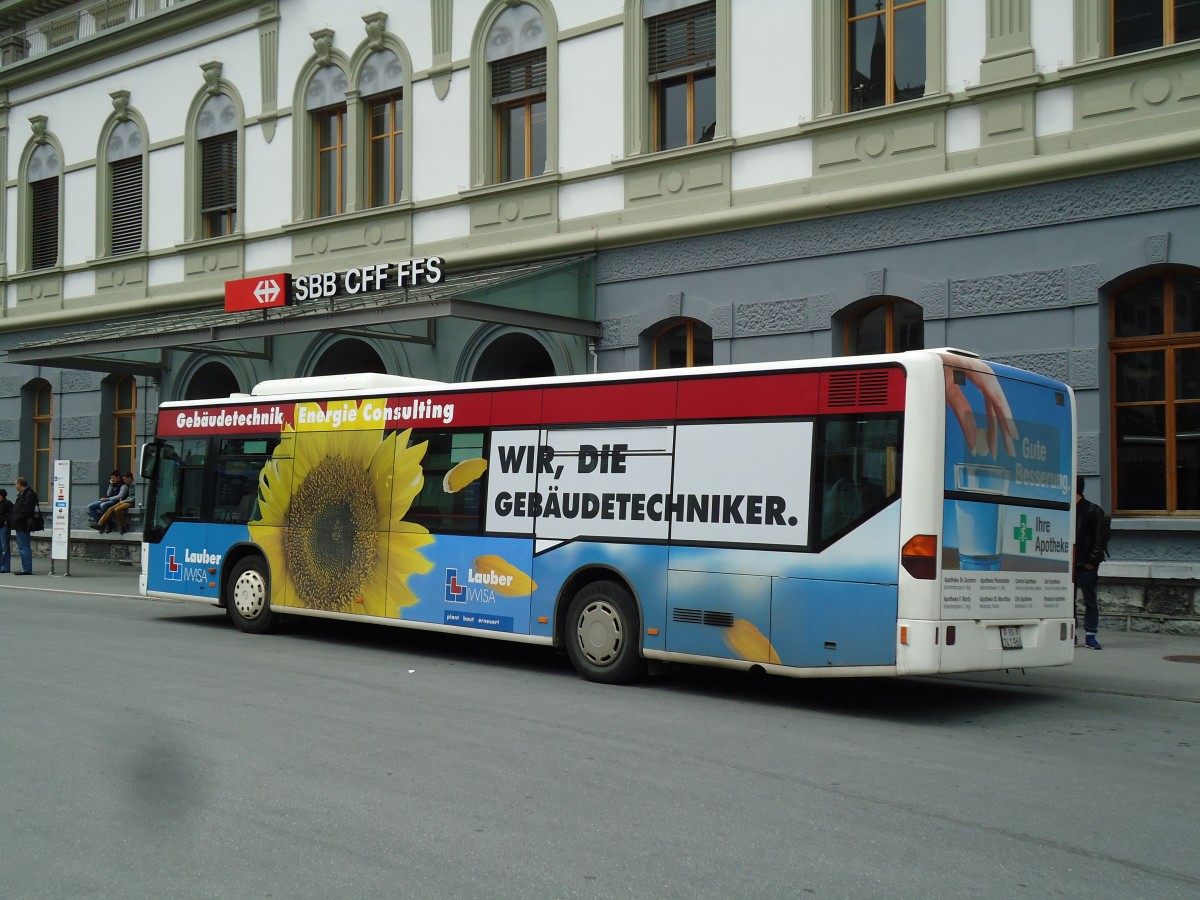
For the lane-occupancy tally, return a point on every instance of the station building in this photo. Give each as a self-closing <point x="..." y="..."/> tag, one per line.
<point x="608" y="185"/>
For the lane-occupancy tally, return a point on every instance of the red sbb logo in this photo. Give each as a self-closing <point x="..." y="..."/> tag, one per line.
<point x="260" y="292"/>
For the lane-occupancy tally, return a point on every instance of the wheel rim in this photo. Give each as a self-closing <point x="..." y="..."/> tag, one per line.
<point x="600" y="632"/>
<point x="250" y="595"/>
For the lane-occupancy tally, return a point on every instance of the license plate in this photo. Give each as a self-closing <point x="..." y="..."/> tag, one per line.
<point x="1010" y="637"/>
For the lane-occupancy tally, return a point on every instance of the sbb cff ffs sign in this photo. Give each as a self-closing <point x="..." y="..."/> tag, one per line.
<point x="260" y="292"/>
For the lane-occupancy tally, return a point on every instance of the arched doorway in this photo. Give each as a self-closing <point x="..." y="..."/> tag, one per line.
<point x="213" y="379"/>
<point x="348" y="357"/>
<point x="513" y="356"/>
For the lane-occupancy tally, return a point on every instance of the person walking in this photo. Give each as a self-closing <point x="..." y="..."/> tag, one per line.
<point x="24" y="509"/>
<point x="6" y="508"/>
<point x="1089" y="553"/>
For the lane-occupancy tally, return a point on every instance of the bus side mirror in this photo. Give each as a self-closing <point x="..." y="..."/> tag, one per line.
<point x="148" y="464"/>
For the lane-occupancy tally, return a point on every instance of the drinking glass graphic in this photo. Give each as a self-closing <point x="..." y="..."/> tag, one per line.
<point x="980" y="540"/>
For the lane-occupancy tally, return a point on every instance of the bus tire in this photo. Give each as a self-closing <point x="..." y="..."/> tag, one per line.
<point x="602" y="634"/>
<point x="248" y="597"/>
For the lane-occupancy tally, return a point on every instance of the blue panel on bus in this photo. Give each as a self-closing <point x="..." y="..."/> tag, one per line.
<point x="643" y="567"/>
<point x="833" y="623"/>
<point x="727" y="616"/>
<point x="475" y="582"/>
<point x="181" y="562"/>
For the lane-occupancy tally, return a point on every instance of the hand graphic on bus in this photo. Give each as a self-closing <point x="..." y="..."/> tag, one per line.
<point x="998" y="414"/>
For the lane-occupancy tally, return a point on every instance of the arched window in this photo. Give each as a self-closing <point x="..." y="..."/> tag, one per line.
<point x="516" y="57"/>
<point x="43" y="176"/>
<point x="213" y="379"/>
<point x="349" y="356"/>
<point x="891" y="325"/>
<point x="513" y="356"/>
<point x="123" y="154"/>
<point x="683" y="344"/>
<point x="381" y="85"/>
<point x="125" y="423"/>
<point x="325" y="101"/>
<point x="1154" y="347"/>
<point x="217" y="138"/>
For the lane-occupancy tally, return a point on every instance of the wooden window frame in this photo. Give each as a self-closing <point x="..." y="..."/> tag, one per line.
<point x="43" y="416"/>
<point x="125" y="416"/>
<point x="849" y="347"/>
<point x="338" y="150"/>
<point x="690" y="326"/>
<point x="502" y="134"/>
<point x="1168" y="32"/>
<point x="888" y="11"/>
<point x="1168" y="342"/>
<point x="686" y="72"/>
<point x="218" y="207"/>
<point x="394" y="139"/>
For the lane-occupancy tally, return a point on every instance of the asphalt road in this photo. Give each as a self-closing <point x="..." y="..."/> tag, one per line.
<point x="147" y="749"/>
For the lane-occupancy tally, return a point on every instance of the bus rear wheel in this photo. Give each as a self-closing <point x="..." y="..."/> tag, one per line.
<point x="248" y="597"/>
<point x="602" y="634"/>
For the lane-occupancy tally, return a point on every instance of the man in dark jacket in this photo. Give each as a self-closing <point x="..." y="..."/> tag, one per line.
<point x="1089" y="553"/>
<point x="24" y="509"/>
<point x="5" y="532"/>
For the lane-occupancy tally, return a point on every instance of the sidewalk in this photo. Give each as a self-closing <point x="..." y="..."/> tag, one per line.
<point x="1131" y="663"/>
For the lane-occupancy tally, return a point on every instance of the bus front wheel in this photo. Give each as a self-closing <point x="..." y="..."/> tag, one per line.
<point x="248" y="597"/>
<point x="602" y="634"/>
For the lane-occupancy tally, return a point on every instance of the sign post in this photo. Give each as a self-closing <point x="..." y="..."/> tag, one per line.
<point x="60" y="494"/>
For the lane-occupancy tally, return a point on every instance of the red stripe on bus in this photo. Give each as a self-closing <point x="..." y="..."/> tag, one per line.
<point x="749" y="396"/>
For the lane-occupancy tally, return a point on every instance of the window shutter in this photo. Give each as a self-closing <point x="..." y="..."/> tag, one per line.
<point x="218" y="175"/>
<point x="127" y="205"/>
<point x="43" y="196"/>
<point x="683" y="40"/>
<point x="519" y="76"/>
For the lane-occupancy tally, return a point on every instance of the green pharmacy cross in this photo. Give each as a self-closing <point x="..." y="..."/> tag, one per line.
<point x="1023" y="533"/>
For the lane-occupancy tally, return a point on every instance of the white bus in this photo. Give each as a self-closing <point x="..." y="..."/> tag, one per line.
<point x="876" y="515"/>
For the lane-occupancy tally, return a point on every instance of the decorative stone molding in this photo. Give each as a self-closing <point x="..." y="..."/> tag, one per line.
<point x="322" y="40"/>
<point x="1008" y="293"/>
<point x="120" y="102"/>
<point x="39" y="125"/>
<point x="376" y="24"/>
<point x="1157" y="248"/>
<point x="212" y="77"/>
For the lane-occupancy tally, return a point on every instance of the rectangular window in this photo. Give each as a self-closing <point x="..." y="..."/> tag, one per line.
<point x="126" y="205"/>
<point x="43" y="444"/>
<point x="331" y="164"/>
<point x="885" y="52"/>
<point x="218" y="184"/>
<point x="43" y="229"/>
<point x="858" y="470"/>
<point x="682" y="61"/>
<point x="1142" y="24"/>
<point x="386" y="150"/>
<point x="519" y="101"/>
<point x="125" y="424"/>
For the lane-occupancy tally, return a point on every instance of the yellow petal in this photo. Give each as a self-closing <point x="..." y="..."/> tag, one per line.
<point x="744" y="639"/>
<point x="511" y="581"/>
<point x="463" y="474"/>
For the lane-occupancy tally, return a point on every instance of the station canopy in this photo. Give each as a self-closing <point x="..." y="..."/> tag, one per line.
<point x="556" y="296"/>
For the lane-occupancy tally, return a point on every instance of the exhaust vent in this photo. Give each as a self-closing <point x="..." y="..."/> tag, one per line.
<point x="702" y="617"/>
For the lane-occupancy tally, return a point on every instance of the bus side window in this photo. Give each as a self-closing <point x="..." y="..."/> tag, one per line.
<point x="858" y="470"/>
<point x="436" y="508"/>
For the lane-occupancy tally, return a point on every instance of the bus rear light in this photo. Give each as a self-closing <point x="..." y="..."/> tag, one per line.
<point x="904" y="635"/>
<point x="919" y="556"/>
<point x="951" y="634"/>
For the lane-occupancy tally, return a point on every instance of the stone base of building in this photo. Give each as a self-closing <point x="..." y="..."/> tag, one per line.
<point x="121" y="548"/>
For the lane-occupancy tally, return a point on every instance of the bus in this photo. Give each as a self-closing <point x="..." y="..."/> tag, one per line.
<point x="897" y="514"/>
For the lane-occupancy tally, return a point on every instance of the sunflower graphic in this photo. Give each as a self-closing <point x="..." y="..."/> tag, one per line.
<point x="331" y="520"/>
